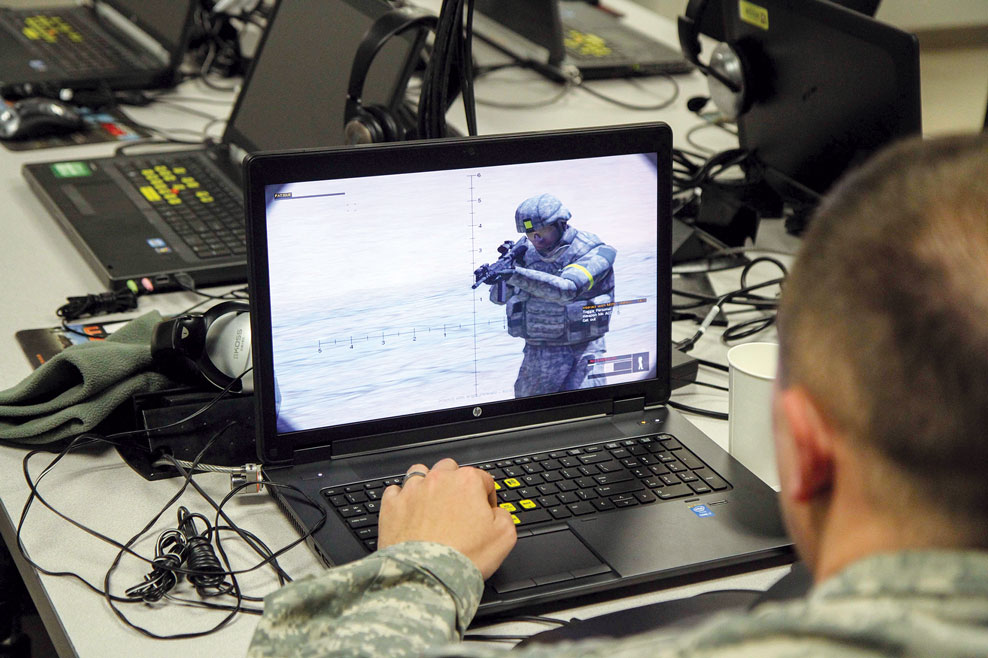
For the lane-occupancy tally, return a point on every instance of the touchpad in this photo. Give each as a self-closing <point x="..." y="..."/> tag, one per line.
<point x="551" y="557"/>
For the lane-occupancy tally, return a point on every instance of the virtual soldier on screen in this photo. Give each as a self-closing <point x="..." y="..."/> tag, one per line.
<point x="545" y="290"/>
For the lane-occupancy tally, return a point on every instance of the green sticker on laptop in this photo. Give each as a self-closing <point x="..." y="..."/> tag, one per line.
<point x="71" y="169"/>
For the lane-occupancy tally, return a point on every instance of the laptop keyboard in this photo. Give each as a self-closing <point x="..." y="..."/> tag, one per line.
<point x="208" y="218"/>
<point x="584" y="45"/>
<point x="73" y="46"/>
<point x="555" y="486"/>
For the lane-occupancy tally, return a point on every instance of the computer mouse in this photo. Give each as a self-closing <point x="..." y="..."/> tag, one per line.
<point x="37" y="117"/>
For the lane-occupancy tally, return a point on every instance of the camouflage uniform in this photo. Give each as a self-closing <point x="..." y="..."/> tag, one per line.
<point x="415" y="598"/>
<point x="546" y="297"/>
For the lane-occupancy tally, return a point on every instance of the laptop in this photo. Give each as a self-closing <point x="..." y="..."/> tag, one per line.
<point x="171" y="220"/>
<point x="114" y="44"/>
<point x="566" y="32"/>
<point x="373" y="350"/>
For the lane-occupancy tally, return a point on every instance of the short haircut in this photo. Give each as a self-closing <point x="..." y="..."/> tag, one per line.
<point x="884" y="318"/>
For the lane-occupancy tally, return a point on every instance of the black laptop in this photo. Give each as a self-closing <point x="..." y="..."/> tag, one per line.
<point x="372" y="351"/>
<point x="587" y="36"/>
<point x="162" y="221"/>
<point x="114" y="44"/>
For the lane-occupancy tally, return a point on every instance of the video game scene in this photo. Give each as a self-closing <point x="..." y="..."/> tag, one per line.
<point x="411" y="293"/>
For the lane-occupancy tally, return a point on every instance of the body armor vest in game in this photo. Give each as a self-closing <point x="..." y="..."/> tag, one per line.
<point x="554" y="323"/>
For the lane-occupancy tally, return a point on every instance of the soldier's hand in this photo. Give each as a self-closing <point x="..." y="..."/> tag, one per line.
<point x="449" y="505"/>
<point x="500" y="275"/>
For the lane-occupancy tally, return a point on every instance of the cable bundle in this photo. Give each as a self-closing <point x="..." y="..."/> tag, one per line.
<point x="451" y="52"/>
<point x="97" y="304"/>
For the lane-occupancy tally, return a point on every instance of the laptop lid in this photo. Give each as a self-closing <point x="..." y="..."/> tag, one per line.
<point x="168" y="23"/>
<point x="368" y="332"/>
<point x="298" y="101"/>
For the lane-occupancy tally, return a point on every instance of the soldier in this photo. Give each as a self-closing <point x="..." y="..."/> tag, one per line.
<point x="558" y="273"/>
<point x="880" y="412"/>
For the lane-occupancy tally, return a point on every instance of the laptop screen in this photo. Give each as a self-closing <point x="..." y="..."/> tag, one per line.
<point x="388" y="306"/>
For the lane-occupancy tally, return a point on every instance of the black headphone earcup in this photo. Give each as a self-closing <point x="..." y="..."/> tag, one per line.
<point x="390" y="132"/>
<point x="370" y="124"/>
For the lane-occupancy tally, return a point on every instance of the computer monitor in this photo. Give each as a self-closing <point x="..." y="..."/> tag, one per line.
<point x="829" y="86"/>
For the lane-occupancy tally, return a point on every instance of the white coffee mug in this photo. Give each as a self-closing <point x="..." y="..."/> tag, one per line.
<point x="751" y="374"/>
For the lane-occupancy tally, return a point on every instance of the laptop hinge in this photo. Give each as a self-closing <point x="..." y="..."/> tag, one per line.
<point x="628" y="405"/>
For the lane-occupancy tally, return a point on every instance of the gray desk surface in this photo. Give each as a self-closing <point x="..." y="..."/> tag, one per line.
<point x="41" y="268"/>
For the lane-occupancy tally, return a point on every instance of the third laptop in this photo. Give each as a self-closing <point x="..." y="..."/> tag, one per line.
<point x="111" y="44"/>
<point x="167" y="220"/>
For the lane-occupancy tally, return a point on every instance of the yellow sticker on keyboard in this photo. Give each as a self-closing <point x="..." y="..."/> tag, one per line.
<point x="513" y="483"/>
<point x="150" y="193"/>
<point x="527" y="504"/>
<point x="508" y="506"/>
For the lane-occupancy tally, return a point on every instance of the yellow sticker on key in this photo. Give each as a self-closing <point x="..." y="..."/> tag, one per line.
<point x="527" y="504"/>
<point x="515" y="519"/>
<point x="150" y="193"/>
<point x="508" y="506"/>
<point x="513" y="483"/>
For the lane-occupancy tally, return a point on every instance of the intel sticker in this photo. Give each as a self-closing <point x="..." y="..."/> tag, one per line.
<point x="702" y="511"/>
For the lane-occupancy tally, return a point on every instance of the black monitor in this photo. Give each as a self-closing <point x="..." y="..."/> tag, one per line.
<point x="829" y="86"/>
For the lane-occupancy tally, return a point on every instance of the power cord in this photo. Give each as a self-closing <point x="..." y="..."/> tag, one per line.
<point x="742" y="295"/>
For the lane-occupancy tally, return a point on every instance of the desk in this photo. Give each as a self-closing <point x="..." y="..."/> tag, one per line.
<point x="42" y="268"/>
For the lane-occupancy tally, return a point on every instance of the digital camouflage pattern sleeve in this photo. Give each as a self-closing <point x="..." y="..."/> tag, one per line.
<point x="416" y="599"/>
<point x="395" y="602"/>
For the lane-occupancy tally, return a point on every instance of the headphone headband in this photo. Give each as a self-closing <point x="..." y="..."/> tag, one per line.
<point x="390" y="24"/>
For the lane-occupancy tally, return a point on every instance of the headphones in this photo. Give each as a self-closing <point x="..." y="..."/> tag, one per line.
<point x="211" y="348"/>
<point x="363" y="124"/>
<point x="727" y="73"/>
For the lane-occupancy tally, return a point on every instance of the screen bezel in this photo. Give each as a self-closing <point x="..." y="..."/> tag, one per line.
<point x="272" y="168"/>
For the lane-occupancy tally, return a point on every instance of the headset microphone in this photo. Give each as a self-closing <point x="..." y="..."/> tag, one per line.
<point x="697" y="103"/>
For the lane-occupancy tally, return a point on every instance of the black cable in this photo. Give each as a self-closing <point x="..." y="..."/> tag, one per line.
<point x="719" y="415"/>
<point x="103" y="303"/>
<point x="712" y="364"/>
<point x="156" y="585"/>
<point x="709" y="385"/>
<point x="631" y="106"/>
<point x="739" y="296"/>
<point x="451" y="50"/>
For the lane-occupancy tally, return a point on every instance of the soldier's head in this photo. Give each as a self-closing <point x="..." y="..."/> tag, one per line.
<point x="884" y="346"/>
<point x="543" y="220"/>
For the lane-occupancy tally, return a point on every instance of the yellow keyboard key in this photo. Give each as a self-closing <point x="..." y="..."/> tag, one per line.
<point x="150" y="193"/>
<point x="508" y="506"/>
<point x="527" y="504"/>
<point x="515" y="519"/>
<point x="512" y="483"/>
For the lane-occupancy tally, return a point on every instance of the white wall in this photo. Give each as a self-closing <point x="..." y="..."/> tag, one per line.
<point x="919" y="14"/>
<point x="907" y="14"/>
